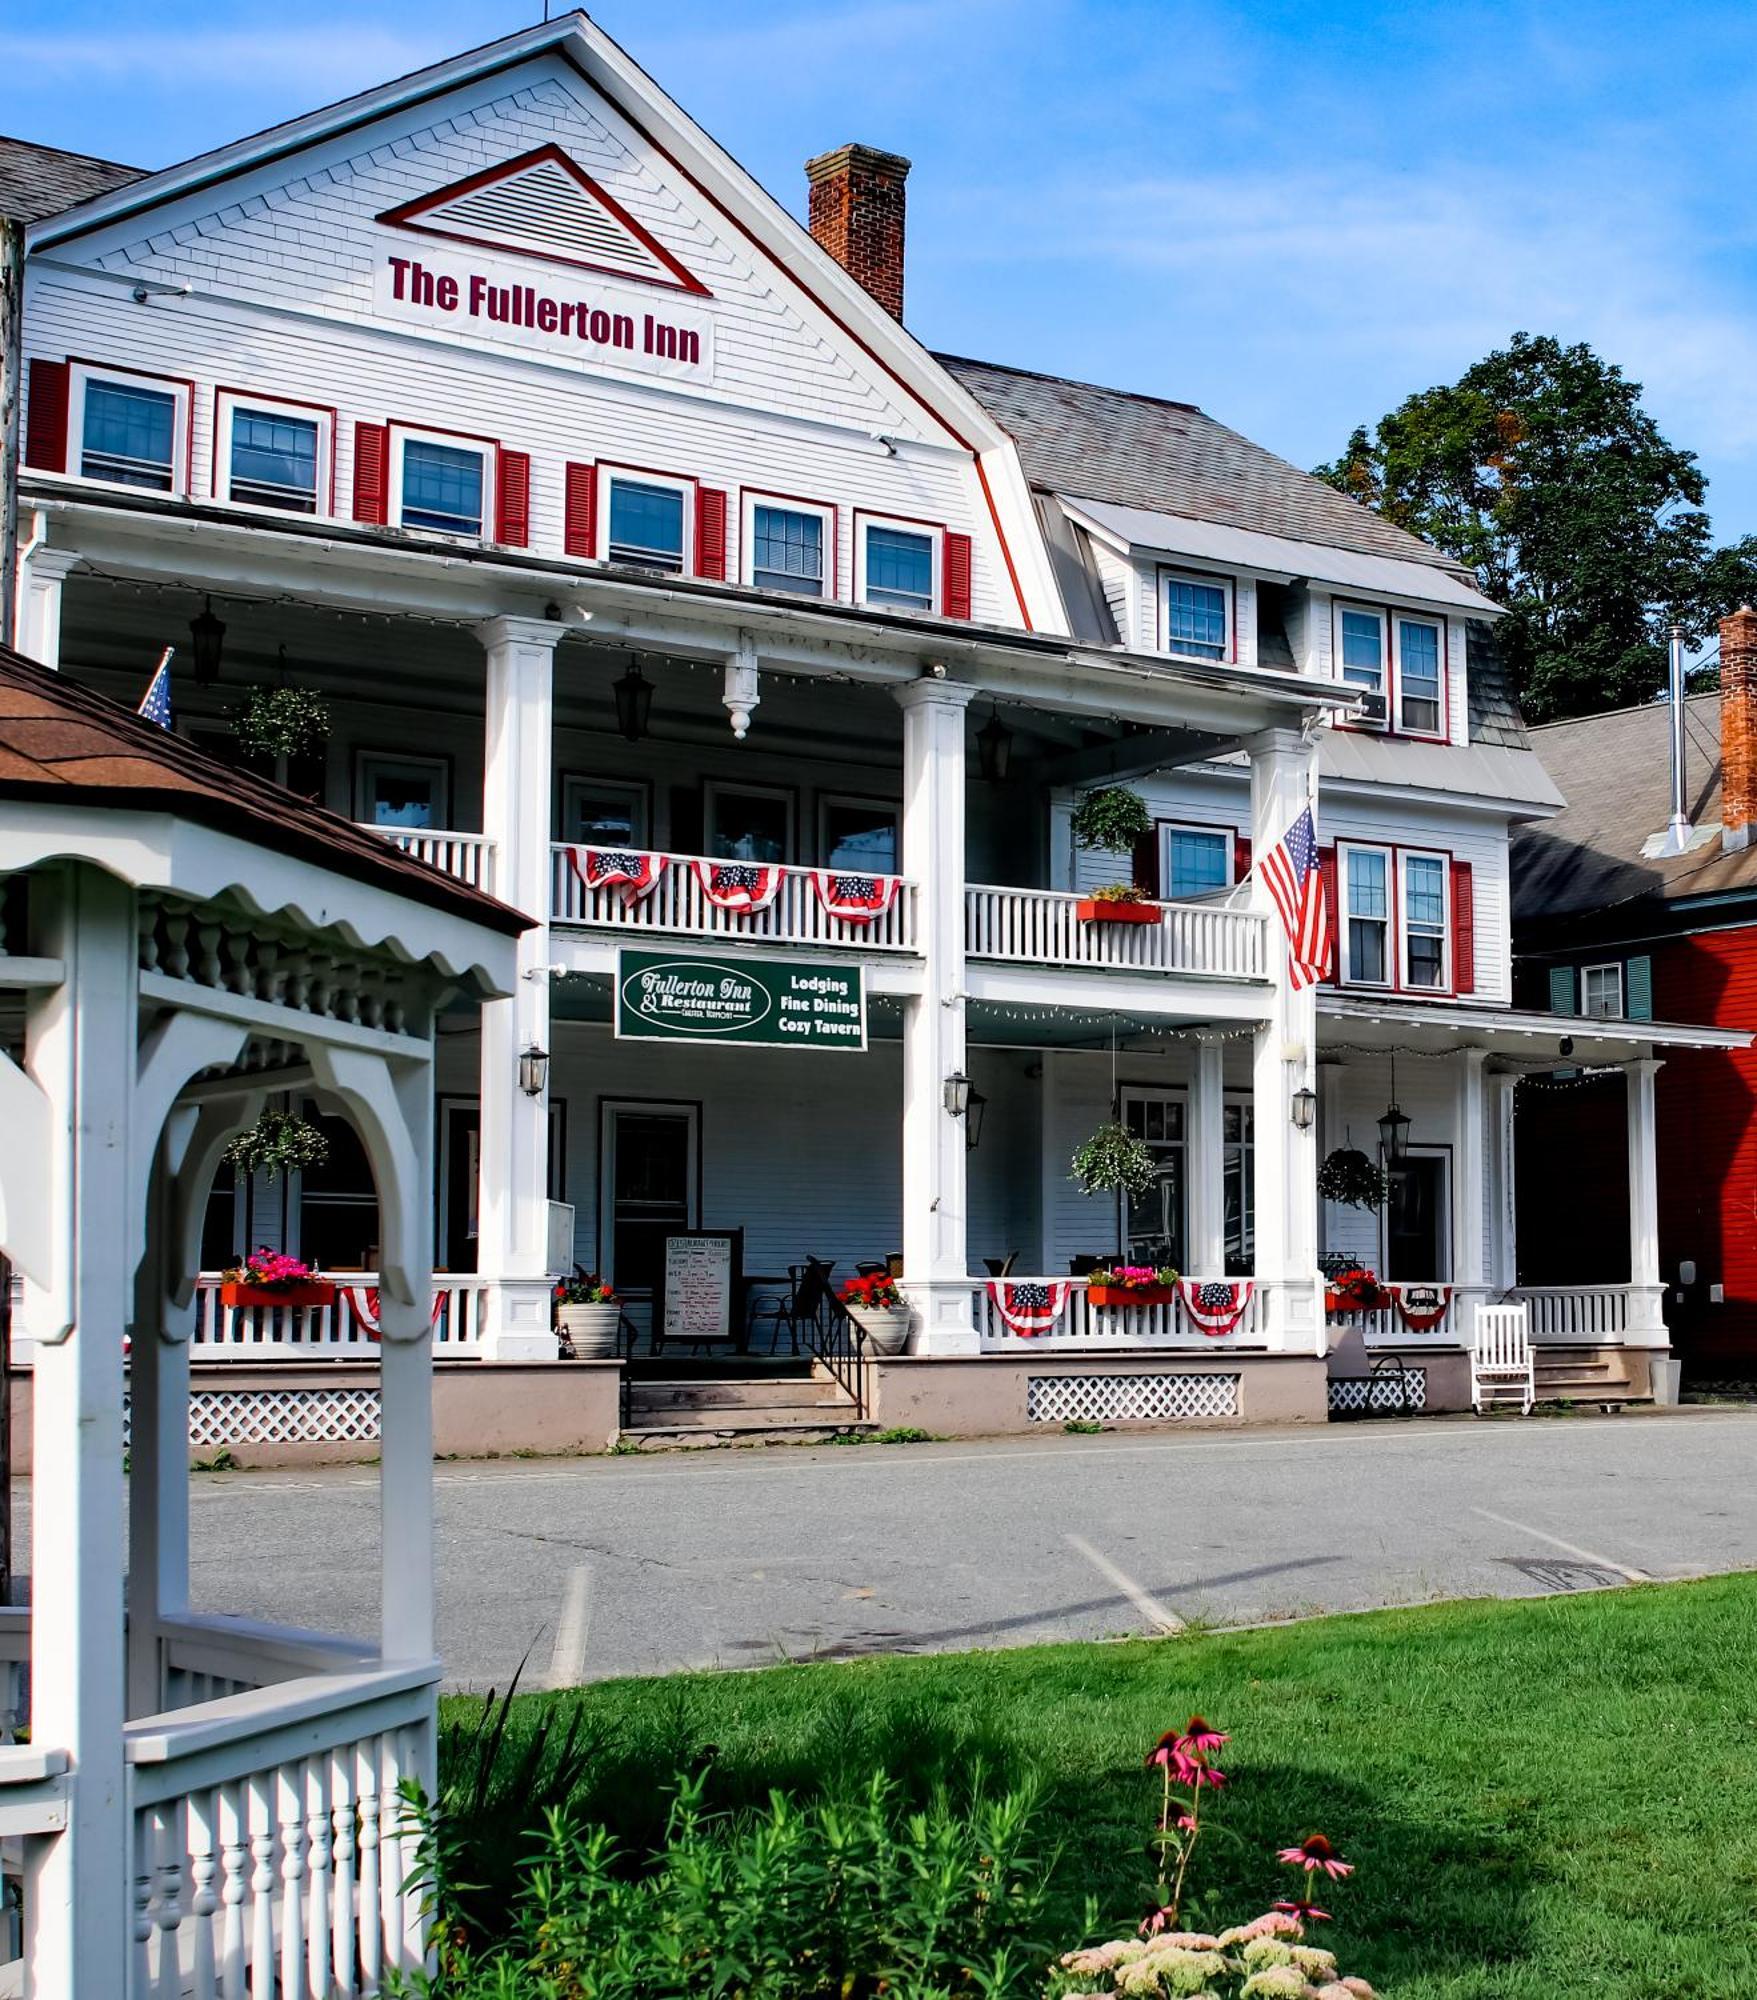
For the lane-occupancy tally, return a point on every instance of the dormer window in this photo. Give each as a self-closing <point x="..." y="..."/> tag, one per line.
<point x="1197" y="616"/>
<point x="1419" y="696"/>
<point x="1360" y="646"/>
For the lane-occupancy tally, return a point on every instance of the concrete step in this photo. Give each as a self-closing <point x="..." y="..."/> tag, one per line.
<point x="679" y="1437"/>
<point x="807" y="1394"/>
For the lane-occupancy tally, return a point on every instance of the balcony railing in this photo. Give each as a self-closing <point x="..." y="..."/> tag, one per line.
<point x="344" y="1331"/>
<point x="1044" y="927"/>
<point x="1083" y="1327"/>
<point x="678" y="904"/>
<point x="468" y="856"/>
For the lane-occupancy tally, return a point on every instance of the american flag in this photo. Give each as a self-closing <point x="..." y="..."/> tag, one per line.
<point x="155" y="704"/>
<point x="1297" y="883"/>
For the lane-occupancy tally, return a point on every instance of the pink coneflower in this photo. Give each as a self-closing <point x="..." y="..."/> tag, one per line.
<point x="1315" y="1852"/>
<point x="1202" y="1739"/>
<point x="1168" y="1755"/>
<point x="1307" y="1913"/>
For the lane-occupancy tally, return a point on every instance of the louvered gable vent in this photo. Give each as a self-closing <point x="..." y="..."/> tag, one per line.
<point x="543" y="205"/>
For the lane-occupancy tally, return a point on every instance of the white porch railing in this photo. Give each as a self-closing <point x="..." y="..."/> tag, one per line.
<point x="1084" y="1327"/>
<point x="269" y="1844"/>
<point x="677" y="905"/>
<point x="332" y="1332"/>
<point x="1043" y="927"/>
<point x="468" y="856"/>
<point x="1569" y="1312"/>
<point x="1388" y="1328"/>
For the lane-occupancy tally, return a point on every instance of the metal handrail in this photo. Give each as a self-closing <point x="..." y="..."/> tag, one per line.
<point x="835" y="1339"/>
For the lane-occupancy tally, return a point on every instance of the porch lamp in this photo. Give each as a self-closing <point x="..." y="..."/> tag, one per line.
<point x="634" y="703"/>
<point x="533" y="1070"/>
<point x="1305" y="1109"/>
<point x="994" y="749"/>
<point x="207" y="634"/>
<point x="1394" y="1133"/>
<point x="976" y="1105"/>
<point x="957" y="1094"/>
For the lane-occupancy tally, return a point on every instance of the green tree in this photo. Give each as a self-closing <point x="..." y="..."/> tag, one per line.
<point x="1540" y="469"/>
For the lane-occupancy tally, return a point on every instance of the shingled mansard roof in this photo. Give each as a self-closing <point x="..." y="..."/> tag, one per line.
<point x="62" y="744"/>
<point x="42" y="180"/>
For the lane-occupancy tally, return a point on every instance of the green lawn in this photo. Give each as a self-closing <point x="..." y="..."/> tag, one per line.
<point x="1544" y="1799"/>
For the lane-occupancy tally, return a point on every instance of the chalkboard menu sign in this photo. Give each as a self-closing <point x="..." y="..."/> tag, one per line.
<point x="699" y="1285"/>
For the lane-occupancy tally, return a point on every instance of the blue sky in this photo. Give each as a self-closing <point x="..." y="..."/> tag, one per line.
<point x="1290" y="214"/>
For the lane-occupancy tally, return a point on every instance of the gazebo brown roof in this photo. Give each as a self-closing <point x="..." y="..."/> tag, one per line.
<point x="59" y="742"/>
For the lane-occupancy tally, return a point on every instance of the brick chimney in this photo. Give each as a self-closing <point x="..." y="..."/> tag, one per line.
<point x="857" y="204"/>
<point x="1738" y="727"/>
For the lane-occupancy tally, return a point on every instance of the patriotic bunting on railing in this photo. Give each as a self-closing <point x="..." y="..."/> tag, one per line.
<point x="1422" y="1307"/>
<point x="363" y="1303"/>
<point x="633" y="873"/>
<point x="1216" y="1305"/>
<point x="739" y="885"/>
<point x="857" y="899"/>
<point x="1030" y="1305"/>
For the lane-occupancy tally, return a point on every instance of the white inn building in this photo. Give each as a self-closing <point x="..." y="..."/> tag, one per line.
<point x="657" y="580"/>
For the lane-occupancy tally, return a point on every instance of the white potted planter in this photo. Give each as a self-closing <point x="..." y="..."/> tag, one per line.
<point x="591" y="1330"/>
<point x="886" y="1328"/>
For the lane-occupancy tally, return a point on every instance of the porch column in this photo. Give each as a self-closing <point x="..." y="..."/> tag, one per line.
<point x="1647" y="1327"/>
<point x="513" y="1195"/>
<point x="80" y="1041"/>
<point x="936" y="1265"/>
<point x="1470" y="1215"/>
<point x="1283" y="782"/>
<point x="39" y="603"/>
<point x="1207" y="1248"/>
<point x="1503" y="1273"/>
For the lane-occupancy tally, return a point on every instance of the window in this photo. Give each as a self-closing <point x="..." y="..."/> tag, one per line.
<point x="1194" y="861"/>
<point x="646" y="525"/>
<point x="1601" y="991"/>
<point x="787" y="548"/>
<point x="897" y="567"/>
<point x="273" y="455"/>
<point x="130" y="433"/>
<point x="1418" y="677"/>
<point x="404" y="791"/>
<point x="746" y="824"/>
<point x="859" y="835"/>
<point x="1238" y="1183"/>
<point x="1360" y="648"/>
<point x="600" y="814"/>
<point x="1424" y="920"/>
<point x="1366" y="901"/>
<point x="443" y="486"/>
<point x="1195" y="618"/>
<point x="1153" y="1223"/>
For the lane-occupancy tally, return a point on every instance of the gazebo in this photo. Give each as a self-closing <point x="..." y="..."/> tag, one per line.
<point x="203" y="1804"/>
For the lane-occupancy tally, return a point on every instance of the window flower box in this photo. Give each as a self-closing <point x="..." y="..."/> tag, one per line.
<point x="313" y="1293"/>
<point x="1115" y="1296"/>
<point x="1094" y="910"/>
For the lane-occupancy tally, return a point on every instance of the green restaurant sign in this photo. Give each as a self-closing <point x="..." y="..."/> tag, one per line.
<point x="661" y="997"/>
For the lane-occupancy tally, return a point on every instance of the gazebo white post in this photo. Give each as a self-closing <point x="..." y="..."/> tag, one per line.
<point x="158" y="1461"/>
<point x="1470" y="1191"/>
<point x="518" y="786"/>
<point x="1207" y="1251"/>
<point x="80" y="1042"/>
<point x="936" y="1260"/>
<point x="1283" y="1061"/>
<point x="1647" y="1327"/>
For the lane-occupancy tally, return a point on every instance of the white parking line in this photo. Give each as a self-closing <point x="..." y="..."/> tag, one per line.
<point x="1144" y="1601"/>
<point x="567" y="1664"/>
<point x="1567" y="1548"/>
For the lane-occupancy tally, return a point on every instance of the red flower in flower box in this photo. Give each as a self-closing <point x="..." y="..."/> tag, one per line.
<point x="1355" y="1291"/>
<point x="270" y="1278"/>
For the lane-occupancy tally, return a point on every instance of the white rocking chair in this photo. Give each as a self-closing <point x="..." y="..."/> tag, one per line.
<point x="1501" y="1356"/>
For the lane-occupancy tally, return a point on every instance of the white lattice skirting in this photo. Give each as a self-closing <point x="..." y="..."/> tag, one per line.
<point x="1362" y="1395"/>
<point x="1108" y="1399"/>
<point x="278" y="1416"/>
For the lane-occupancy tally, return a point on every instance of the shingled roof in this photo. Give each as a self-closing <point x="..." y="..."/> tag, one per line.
<point x="62" y="743"/>
<point x="43" y="180"/>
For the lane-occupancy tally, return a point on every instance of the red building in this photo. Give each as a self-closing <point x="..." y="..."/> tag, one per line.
<point x="1610" y="918"/>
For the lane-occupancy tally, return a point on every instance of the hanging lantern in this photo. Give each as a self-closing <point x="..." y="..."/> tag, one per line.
<point x="1305" y="1109"/>
<point x="207" y="634"/>
<point x="634" y="703"/>
<point x="994" y="749"/>
<point x="533" y="1070"/>
<point x="1394" y="1134"/>
<point x="955" y="1094"/>
<point x="976" y="1105"/>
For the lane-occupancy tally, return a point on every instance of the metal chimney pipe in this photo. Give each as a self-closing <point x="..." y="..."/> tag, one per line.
<point x="1678" y="828"/>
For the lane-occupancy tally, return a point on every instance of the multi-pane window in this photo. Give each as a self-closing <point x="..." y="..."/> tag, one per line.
<point x="787" y="550"/>
<point x="1424" y="920"/>
<point x="748" y="824"/>
<point x="1418" y="676"/>
<point x="1367" y="901"/>
<point x="603" y="814"/>
<point x="442" y="487"/>
<point x="1195" y="618"/>
<point x="646" y="525"/>
<point x="1197" y="861"/>
<point x="129" y="435"/>
<point x="1153" y="1222"/>
<point x="860" y="836"/>
<point x="403" y="791"/>
<point x="274" y="460"/>
<point x="1238" y="1170"/>
<point x="899" y="568"/>
<point x="1601" y="991"/>
<point x="1361" y="641"/>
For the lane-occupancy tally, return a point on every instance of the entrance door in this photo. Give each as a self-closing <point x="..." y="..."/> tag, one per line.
<point x="1153" y="1223"/>
<point x="649" y="1188"/>
<point x="1418" y="1236"/>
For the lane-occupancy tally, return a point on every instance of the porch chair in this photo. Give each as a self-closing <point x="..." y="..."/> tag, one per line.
<point x="1501" y="1357"/>
<point x="808" y="1287"/>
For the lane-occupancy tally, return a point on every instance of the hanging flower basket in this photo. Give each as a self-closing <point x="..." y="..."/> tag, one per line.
<point x="282" y="721"/>
<point x="1110" y="820"/>
<point x="1113" y="1160"/>
<point x="280" y="1142"/>
<point x="1348" y="1178"/>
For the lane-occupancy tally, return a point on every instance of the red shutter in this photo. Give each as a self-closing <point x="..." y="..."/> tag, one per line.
<point x="372" y="474"/>
<point x="1241" y="857"/>
<point x="512" y="497"/>
<point x="1145" y="866"/>
<point x="957" y="590"/>
<point x="580" y="531"/>
<point x="710" y="533"/>
<point x="1327" y="875"/>
<point x="45" y="436"/>
<point x="1463" y="928"/>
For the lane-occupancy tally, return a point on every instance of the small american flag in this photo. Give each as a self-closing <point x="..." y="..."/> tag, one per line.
<point x="1297" y="884"/>
<point x="155" y="704"/>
